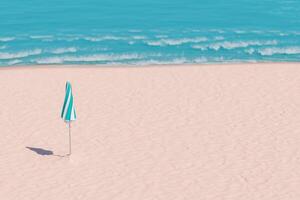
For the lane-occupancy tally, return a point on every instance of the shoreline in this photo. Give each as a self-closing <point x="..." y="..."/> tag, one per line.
<point x="143" y="66"/>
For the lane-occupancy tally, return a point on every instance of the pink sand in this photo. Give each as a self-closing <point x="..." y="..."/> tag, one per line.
<point x="207" y="132"/>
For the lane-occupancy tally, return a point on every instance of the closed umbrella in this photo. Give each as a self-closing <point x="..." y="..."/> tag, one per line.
<point x="68" y="113"/>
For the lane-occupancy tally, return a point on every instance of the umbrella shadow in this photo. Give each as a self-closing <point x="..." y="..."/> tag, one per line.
<point x="44" y="152"/>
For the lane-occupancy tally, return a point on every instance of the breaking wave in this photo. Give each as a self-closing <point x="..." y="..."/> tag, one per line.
<point x="250" y="51"/>
<point x="219" y="38"/>
<point x="21" y="54"/>
<point x="64" y="50"/>
<point x="184" y="60"/>
<point x="173" y="42"/>
<point x="139" y="37"/>
<point x="182" y="47"/>
<point x="88" y="58"/>
<point x="175" y="61"/>
<point x="13" y="62"/>
<point x="161" y="36"/>
<point x="41" y="36"/>
<point x="103" y="38"/>
<point x="277" y="50"/>
<point x="6" y="39"/>
<point x="233" y="45"/>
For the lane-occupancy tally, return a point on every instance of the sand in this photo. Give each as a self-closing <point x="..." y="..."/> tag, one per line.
<point x="206" y="132"/>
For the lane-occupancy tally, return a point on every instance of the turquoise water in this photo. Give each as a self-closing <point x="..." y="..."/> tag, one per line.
<point x="145" y="32"/>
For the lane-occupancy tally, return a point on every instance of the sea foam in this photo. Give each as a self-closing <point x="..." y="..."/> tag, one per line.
<point x="21" y="54"/>
<point x="175" y="61"/>
<point x="139" y="37"/>
<point x="64" y="50"/>
<point x="41" y="36"/>
<point x="277" y="50"/>
<point x="13" y="62"/>
<point x="88" y="58"/>
<point x="103" y="38"/>
<point x="174" y="42"/>
<point x="6" y="39"/>
<point x="233" y="45"/>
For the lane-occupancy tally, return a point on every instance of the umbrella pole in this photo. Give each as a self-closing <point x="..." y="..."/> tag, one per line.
<point x="70" y="145"/>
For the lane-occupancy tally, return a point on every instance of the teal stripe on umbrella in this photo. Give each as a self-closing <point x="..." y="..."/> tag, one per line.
<point x="68" y="111"/>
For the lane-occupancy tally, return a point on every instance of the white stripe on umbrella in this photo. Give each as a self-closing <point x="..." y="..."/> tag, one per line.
<point x="68" y="111"/>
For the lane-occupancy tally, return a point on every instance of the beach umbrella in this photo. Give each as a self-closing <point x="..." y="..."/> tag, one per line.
<point x="68" y="113"/>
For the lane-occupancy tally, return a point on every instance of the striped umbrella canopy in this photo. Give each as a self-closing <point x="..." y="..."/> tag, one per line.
<point x="68" y="113"/>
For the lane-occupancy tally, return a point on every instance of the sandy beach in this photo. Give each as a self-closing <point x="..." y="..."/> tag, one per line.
<point x="198" y="132"/>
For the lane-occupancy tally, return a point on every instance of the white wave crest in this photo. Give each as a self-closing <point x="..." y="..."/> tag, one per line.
<point x="175" y="61"/>
<point x="88" y="58"/>
<point x="131" y="42"/>
<point x="257" y="31"/>
<point x="217" y="30"/>
<point x="103" y="38"/>
<point x="250" y="51"/>
<point x="13" y="62"/>
<point x="3" y="47"/>
<point x="41" y="36"/>
<point x="161" y="36"/>
<point x="283" y="34"/>
<point x="202" y="47"/>
<point x="6" y="39"/>
<point x="277" y="50"/>
<point x="20" y="54"/>
<point x="134" y="31"/>
<point x="200" y="60"/>
<point x="71" y="38"/>
<point x="52" y="60"/>
<point x="182" y="60"/>
<point x="239" y="31"/>
<point x="154" y="43"/>
<point x="139" y="37"/>
<point x="234" y="45"/>
<point x="64" y="50"/>
<point x="174" y="42"/>
<point x="219" y="38"/>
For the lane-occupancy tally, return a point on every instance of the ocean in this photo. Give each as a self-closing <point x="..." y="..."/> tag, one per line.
<point x="143" y="32"/>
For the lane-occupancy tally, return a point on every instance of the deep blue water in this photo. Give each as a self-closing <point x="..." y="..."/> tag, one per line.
<point x="148" y="31"/>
